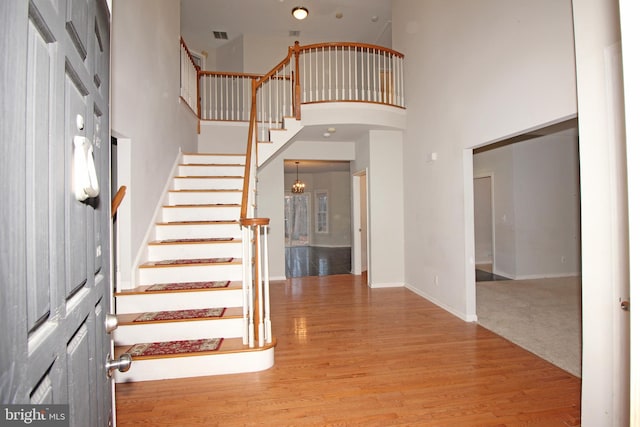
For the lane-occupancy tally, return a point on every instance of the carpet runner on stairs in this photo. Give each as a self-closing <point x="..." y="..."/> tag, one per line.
<point x="169" y="262"/>
<point x="207" y="240"/>
<point x="202" y="313"/>
<point x="170" y="348"/>
<point x="184" y="286"/>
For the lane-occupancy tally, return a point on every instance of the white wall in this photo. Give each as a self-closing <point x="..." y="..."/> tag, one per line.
<point x="230" y="56"/>
<point x="547" y="206"/>
<point x="145" y="101"/>
<point x="537" y="200"/>
<point x="223" y="137"/>
<point x="386" y="209"/>
<point x="476" y="72"/>
<point x="338" y="185"/>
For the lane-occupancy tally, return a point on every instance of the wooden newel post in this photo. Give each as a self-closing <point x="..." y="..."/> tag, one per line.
<point x="296" y="53"/>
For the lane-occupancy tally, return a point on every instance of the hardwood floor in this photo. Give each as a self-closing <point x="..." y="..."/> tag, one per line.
<point x="349" y="355"/>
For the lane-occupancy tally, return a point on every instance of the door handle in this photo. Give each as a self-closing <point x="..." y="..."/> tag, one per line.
<point x="85" y="178"/>
<point x="110" y="323"/>
<point x="122" y="363"/>
<point x="624" y="305"/>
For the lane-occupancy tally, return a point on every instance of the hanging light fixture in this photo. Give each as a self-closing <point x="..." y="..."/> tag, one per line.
<point x="300" y="12"/>
<point x="298" y="186"/>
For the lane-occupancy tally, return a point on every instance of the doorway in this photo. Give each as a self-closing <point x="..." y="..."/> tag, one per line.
<point x="527" y="228"/>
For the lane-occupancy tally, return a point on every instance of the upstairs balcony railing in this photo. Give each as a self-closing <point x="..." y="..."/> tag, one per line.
<point x="326" y="72"/>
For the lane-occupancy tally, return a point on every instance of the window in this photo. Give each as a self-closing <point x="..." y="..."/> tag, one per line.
<point x="322" y="211"/>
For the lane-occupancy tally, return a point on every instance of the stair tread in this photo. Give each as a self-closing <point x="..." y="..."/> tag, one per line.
<point x="130" y="318"/>
<point x="211" y="164"/>
<point x="205" y="205"/>
<point x="208" y="190"/>
<point x="194" y="241"/>
<point x="142" y="290"/>
<point x="209" y="176"/>
<point x="190" y="262"/>
<point x="203" y="222"/>
<point x="229" y="345"/>
<point x="213" y="154"/>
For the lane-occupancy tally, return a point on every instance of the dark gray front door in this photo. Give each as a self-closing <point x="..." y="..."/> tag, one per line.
<point x="55" y="271"/>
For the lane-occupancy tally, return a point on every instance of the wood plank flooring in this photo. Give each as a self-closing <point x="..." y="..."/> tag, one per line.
<point x="349" y="355"/>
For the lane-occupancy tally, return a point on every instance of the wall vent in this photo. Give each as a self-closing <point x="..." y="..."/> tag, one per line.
<point x="220" y="35"/>
<point x="294" y="33"/>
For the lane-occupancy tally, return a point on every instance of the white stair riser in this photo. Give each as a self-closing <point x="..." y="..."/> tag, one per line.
<point x="195" y="250"/>
<point x="210" y="170"/>
<point x="184" y="183"/>
<point x="215" y="159"/>
<point x="197" y="231"/>
<point x="200" y="213"/>
<point x="190" y="273"/>
<point x="174" y="331"/>
<point x="197" y="366"/>
<point x="160" y="301"/>
<point x="204" y="197"/>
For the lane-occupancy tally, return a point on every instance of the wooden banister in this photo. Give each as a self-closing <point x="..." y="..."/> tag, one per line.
<point x="117" y="199"/>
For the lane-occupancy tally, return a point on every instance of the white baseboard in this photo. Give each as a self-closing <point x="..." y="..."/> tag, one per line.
<point x="463" y="316"/>
<point x="386" y="285"/>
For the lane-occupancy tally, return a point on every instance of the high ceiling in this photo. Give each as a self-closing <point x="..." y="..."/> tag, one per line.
<point x="365" y="21"/>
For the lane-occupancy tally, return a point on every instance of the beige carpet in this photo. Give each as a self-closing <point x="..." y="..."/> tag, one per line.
<point x="542" y="316"/>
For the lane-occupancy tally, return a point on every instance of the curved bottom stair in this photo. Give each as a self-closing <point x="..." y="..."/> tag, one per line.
<point x="231" y="358"/>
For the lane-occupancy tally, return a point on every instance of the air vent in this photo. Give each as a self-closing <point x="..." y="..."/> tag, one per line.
<point x="294" y="33"/>
<point x="220" y="35"/>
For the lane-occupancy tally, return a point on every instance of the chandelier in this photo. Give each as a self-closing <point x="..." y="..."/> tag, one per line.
<point x="298" y="186"/>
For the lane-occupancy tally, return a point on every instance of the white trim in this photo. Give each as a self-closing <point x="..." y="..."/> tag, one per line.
<point x="386" y="285"/>
<point x="466" y="318"/>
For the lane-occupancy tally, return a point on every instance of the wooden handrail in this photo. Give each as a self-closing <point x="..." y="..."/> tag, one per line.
<point x="186" y="48"/>
<point x="352" y="44"/>
<point x="229" y="74"/>
<point x="247" y="164"/>
<point x="117" y="199"/>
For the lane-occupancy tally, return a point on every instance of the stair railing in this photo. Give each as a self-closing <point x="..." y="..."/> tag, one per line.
<point x="189" y="79"/>
<point x="327" y="72"/>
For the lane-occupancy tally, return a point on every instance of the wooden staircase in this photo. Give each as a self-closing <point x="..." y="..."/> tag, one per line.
<point x="194" y="264"/>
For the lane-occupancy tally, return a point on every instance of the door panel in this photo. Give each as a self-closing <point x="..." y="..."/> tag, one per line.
<point x="56" y="273"/>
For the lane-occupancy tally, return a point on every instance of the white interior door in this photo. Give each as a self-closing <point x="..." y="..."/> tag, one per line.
<point x="56" y="284"/>
<point x="483" y="219"/>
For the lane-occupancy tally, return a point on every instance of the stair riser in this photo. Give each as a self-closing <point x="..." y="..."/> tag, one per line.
<point x="174" y="331"/>
<point x="156" y="301"/>
<point x="209" y="159"/>
<point x="149" y="276"/>
<point x="205" y="198"/>
<point x="200" y="213"/>
<point x="215" y="170"/>
<point x="207" y="183"/>
<point x="197" y="366"/>
<point x="195" y="250"/>
<point x="189" y="231"/>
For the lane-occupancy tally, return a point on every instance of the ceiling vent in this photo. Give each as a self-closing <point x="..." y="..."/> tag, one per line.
<point x="220" y="35"/>
<point x="294" y="33"/>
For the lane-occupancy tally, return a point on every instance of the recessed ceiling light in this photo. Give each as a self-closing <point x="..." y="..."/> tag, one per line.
<point x="300" y="13"/>
<point x="331" y="130"/>
<point x="326" y="134"/>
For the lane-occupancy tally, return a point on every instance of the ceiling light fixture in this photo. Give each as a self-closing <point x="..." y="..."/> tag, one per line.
<point x="300" y="13"/>
<point x="298" y="186"/>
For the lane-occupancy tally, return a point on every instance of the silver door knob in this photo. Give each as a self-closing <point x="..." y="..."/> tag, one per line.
<point x="122" y="363"/>
<point x="625" y="305"/>
<point x="110" y="323"/>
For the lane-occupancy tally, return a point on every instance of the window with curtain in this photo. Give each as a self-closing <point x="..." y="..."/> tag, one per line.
<point x="322" y="211"/>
